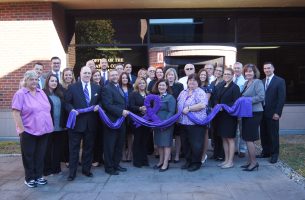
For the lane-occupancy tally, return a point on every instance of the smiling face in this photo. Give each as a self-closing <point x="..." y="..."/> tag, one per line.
<point x="203" y="76"/>
<point x="170" y="76"/>
<point x="104" y="64"/>
<point x="249" y="74"/>
<point x="268" y="69"/>
<point x="210" y="69"/>
<point x="119" y="68"/>
<point x="159" y="73"/>
<point x="68" y="77"/>
<point x="38" y="69"/>
<point x="162" y="87"/>
<point x="189" y="69"/>
<point x="31" y="82"/>
<point x="96" y="77"/>
<point x="218" y="72"/>
<point x="238" y="68"/>
<point x="227" y="76"/>
<point x="85" y="74"/>
<point x="142" y="85"/>
<point x="52" y="83"/>
<point x="124" y="79"/>
<point x="55" y="64"/>
<point x="128" y="68"/>
<point x="113" y="76"/>
<point x="151" y="72"/>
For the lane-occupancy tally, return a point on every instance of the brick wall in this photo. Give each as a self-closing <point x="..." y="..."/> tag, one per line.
<point x="30" y="32"/>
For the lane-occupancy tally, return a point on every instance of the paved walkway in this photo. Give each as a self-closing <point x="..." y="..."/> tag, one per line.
<point x="210" y="182"/>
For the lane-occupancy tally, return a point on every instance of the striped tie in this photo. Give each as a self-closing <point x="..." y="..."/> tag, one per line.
<point x="86" y="92"/>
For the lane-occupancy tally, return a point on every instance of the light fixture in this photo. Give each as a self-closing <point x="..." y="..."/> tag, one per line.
<point x="262" y="47"/>
<point x="113" y="49"/>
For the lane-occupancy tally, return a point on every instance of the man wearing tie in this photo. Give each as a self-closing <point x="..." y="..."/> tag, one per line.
<point x="82" y="94"/>
<point x="114" y="106"/>
<point x="239" y="80"/>
<point x="38" y="67"/>
<point x="104" y="72"/>
<point x="275" y="94"/>
<point x="55" y="66"/>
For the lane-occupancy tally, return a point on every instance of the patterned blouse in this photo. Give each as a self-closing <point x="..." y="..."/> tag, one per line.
<point x="198" y="96"/>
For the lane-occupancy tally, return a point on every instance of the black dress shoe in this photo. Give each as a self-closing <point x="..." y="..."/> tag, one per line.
<point x="112" y="172"/>
<point x="273" y="159"/>
<point x="88" y="174"/>
<point x="245" y="166"/>
<point x="263" y="155"/>
<point x="137" y="165"/>
<point x="193" y="168"/>
<point x="70" y="178"/>
<point x="186" y="165"/>
<point x="121" y="169"/>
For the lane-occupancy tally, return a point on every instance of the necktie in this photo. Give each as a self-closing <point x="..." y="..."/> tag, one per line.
<point x="86" y="92"/>
<point x="38" y="85"/>
<point x="267" y="83"/>
<point x="236" y="79"/>
<point x="104" y="76"/>
<point x="57" y="75"/>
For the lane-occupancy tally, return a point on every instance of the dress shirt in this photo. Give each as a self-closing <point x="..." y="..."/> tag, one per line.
<point x="211" y="79"/>
<point x="270" y="78"/>
<point x="183" y="80"/>
<point x="240" y="82"/>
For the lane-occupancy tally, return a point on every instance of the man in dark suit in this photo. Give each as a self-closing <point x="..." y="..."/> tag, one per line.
<point x="82" y="94"/>
<point x="275" y="94"/>
<point x="38" y="67"/>
<point x="55" y="66"/>
<point x="128" y="70"/>
<point x="114" y="106"/>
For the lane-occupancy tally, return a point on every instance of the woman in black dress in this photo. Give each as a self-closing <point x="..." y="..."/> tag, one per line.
<point x="227" y="94"/>
<point x="136" y="105"/>
<point x="127" y="88"/>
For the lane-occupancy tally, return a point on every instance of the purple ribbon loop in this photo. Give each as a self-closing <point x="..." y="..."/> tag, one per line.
<point x="241" y="108"/>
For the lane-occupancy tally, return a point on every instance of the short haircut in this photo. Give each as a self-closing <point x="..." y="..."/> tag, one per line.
<point x="195" y="77"/>
<point x="27" y="75"/>
<point x="55" y="58"/>
<point x="229" y="69"/>
<point x="268" y="63"/>
<point x="253" y="67"/>
<point x="38" y="63"/>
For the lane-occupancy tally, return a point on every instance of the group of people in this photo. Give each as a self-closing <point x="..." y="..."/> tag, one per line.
<point x="42" y="105"/>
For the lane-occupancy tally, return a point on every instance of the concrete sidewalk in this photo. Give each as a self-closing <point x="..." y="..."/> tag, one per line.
<point x="210" y="182"/>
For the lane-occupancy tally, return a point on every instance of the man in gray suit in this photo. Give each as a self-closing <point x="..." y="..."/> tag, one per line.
<point x="38" y="67"/>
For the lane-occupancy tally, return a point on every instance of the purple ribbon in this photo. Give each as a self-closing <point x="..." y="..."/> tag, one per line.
<point x="241" y="108"/>
<point x="151" y="112"/>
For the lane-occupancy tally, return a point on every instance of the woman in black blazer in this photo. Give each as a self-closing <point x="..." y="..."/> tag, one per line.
<point x="227" y="94"/>
<point x="136" y="105"/>
<point x="55" y="139"/>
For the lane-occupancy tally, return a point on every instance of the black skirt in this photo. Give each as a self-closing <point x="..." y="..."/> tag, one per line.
<point x="250" y="127"/>
<point x="226" y="125"/>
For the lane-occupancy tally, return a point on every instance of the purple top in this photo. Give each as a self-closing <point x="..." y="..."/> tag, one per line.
<point x="198" y="96"/>
<point x="34" y="111"/>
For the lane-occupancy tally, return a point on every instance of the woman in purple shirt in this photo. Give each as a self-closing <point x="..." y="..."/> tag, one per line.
<point x="31" y="112"/>
<point x="193" y="100"/>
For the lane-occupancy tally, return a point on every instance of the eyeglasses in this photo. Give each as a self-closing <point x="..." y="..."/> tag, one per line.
<point x="189" y="69"/>
<point x="228" y="74"/>
<point x="217" y="70"/>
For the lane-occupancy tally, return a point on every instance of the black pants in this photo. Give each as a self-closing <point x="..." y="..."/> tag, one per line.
<point x="269" y="132"/>
<point x="192" y="139"/>
<point x="216" y="141"/>
<point x="98" y="149"/>
<point x="53" y="153"/>
<point x="139" y="148"/>
<point x="113" y="146"/>
<point x="65" y="147"/>
<point x="74" y="147"/>
<point x="33" y="150"/>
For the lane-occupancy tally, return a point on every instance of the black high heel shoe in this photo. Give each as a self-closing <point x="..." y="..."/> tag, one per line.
<point x="163" y="170"/>
<point x="253" y="168"/>
<point x="156" y="166"/>
<point x="245" y="166"/>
